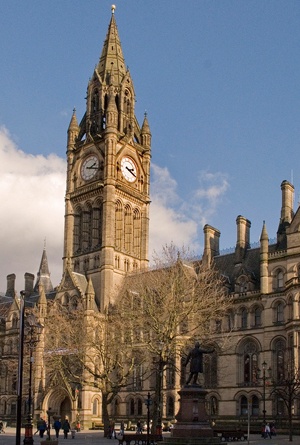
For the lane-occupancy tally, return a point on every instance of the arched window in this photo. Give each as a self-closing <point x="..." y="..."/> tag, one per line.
<point x="139" y="407"/>
<point x="170" y="407"/>
<point x="279" y="359"/>
<point x="230" y="321"/>
<point x="116" y="408"/>
<point x="210" y="370"/>
<point x="243" y="406"/>
<point x="131" y="407"/>
<point x="244" y="318"/>
<point x="290" y="308"/>
<point x="97" y="225"/>
<point x="213" y="406"/>
<point x="87" y="228"/>
<point x="128" y="228"/>
<point x="279" y="406"/>
<point x="170" y="374"/>
<point x="182" y="372"/>
<point x="279" y="312"/>
<point x="257" y="316"/>
<point x="279" y="280"/>
<point x="95" y="407"/>
<point x="254" y="406"/>
<point x="77" y="237"/>
<point x="250" y="363"/>
<point x="119" y="225"/>
<point x="136" y="232"/>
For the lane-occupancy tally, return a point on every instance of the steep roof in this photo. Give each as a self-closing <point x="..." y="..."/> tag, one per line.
<point x="112" y="64"/>
<point x="43" y="275"/>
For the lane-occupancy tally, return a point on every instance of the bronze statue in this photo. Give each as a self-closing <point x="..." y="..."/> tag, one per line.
<point x="196" y="358"/>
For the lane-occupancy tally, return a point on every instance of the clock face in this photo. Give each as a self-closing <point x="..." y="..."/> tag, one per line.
<point x="89" y="167"/>
<point x="128" y="169"/>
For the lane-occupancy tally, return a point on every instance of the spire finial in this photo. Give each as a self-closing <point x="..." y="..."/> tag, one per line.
<point x="113" y="8"/>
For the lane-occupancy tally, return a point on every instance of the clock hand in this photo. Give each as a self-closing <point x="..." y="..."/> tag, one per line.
<point x="93" y="167"/>
<point x="130" y="170"/>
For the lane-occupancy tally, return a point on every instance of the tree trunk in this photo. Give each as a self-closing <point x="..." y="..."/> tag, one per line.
<point x="105" y="416"/>
<point x="290" y="425"/>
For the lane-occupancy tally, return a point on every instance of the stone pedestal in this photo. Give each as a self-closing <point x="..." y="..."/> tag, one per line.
<point x="192" y="426"/>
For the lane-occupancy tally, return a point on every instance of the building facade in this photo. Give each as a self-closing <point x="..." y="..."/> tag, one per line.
<point x="106" y="236"/>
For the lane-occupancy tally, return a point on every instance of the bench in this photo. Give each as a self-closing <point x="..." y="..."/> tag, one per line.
<point x="138" y="439"/>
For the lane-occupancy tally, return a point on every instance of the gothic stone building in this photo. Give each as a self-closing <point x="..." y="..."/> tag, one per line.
<point x="106" y="235"/>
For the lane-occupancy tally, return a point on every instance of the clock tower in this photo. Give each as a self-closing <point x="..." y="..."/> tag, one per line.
<point x="108" y="176"/>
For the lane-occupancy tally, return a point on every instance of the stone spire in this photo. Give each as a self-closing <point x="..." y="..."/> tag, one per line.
<point x="73" y="130"/>
<point x="146" y="133"/>
<point x="111" y="67"/>
<point x="43" y="275"/>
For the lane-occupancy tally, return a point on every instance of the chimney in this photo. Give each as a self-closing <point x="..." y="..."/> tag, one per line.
<point x="211" y="243"/>
<point x="11" y="279"/>
<point x="29" y="279"/>
<point x="243" y="237"/>
<point x="287" y="212"/>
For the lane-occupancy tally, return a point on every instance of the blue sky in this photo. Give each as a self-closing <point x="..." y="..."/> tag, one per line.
<point x="219" y="81"/>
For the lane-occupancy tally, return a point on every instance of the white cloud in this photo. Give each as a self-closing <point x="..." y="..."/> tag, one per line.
<point x="32" y="209"/>
<point x="178" y="221"/>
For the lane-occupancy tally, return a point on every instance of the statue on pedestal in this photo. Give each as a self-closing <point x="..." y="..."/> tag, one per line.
<point x="195" y="356"/>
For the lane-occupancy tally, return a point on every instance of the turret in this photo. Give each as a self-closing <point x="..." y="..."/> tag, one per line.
<point x="73" y="131"/>
<point x="146" y="133"/>
<point x="89" y="296"/>
<point x="264" y="250"/>
<point x="211" y="244"/>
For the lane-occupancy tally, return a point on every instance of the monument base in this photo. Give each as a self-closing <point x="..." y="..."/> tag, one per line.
<point x="192" y="425"/>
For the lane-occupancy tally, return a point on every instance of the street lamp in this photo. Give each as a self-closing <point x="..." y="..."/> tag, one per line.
<point x="264" y="367"/>
<point x="20" y="368"/>
<point x="32" y="329"/>
<point x="148" y="403"/>
<point x="264" y="378"/>
<point x="159" y="386"/>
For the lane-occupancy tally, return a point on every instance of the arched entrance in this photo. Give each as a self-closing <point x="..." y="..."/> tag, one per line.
<point x="65" y="408"/>
<point x="60" y="403"/>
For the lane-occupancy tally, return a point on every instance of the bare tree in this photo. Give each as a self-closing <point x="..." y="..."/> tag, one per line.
<point x="287" y="388"/>
<point x="170" y="306"/>
<point x="85" y="348"/>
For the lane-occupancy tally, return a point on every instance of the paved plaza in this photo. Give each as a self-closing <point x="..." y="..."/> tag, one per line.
<point x="96" y="437"/>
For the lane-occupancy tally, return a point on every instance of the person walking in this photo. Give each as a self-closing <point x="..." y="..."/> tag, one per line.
<point x="268" y="431"/>
<point x="41" y="426"/>
<point x="66" y="427"/>
<point x="57" y="427"/>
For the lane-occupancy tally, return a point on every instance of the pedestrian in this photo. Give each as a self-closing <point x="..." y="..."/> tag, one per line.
<point x="66" y="427"/>
<point x="41" y="426"/>
<point x="57" y="427"/>
<point x="122" y="428"/>
<point x="273" y="429"/>
<point x="139" y="427"/>
<point x="268" y="431"/>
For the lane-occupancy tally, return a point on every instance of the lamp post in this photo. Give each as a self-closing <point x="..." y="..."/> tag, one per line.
<point x="264" y="367"/>
<point x="33" y="329"/>
<point x="159" y="386"/>
<point x="20" y="368"/>
<point x="148" y="403"/>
